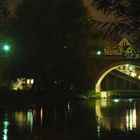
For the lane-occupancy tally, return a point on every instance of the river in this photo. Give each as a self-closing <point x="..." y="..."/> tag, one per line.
<point x="70" y="120"/>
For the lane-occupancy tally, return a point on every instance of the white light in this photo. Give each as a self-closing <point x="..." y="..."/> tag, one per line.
<point x="130" y="68"/>
<point x="116" y="100"/>
<point x="28" y="81"/>
<point x="133" y="74"/>
<point x="127" y="65"/>
<point x="103" y="94"/>
<point x="32" y="81"/>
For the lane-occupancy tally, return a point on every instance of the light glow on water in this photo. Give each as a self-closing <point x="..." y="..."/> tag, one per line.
<point x="116" y="100"/>
<point x="5" y="130"/>
<point x="131" y="119"/>
<point x="41" y="115"/>
<point x="97" y="116"/>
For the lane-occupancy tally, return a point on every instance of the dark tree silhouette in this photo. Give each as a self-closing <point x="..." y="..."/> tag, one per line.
<point x="126" y="14"/>
<point x="55" y="39"/>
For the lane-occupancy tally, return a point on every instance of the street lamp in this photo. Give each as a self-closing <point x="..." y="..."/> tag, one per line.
<point x="6" y="48"/>
<point x="98" y="53"/>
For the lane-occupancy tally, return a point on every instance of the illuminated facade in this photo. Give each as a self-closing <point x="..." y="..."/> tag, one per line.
<point x="22" y="84"/>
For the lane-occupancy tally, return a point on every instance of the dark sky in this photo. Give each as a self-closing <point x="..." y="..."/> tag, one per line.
<point x="96" y="14"/>
<point x="13" y="1"/>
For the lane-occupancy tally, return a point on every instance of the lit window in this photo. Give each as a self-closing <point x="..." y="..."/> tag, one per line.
<point x="32" y="81"/>
<point x="28" y="81"/>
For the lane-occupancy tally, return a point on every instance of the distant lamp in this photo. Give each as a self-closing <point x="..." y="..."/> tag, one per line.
<point x="6" y="47"/>
<point x="130" y="68"/>
<point x="98" y="53"/>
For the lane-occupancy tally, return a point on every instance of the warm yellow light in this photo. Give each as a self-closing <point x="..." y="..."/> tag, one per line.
<point x="32" y="81"/>
<point x="130" y="68"/>
<point x="103" y="94"/>
<point x="41" y="115"/>
<point x="127" y="65"/>
<point x="133" y="74"/>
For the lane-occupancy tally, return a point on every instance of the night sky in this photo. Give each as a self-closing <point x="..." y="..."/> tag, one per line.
<point x="96" y="14"/>
<point x="13" y="2"/>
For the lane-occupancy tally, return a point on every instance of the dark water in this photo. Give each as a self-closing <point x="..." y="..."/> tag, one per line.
<point x="69" y="120"/>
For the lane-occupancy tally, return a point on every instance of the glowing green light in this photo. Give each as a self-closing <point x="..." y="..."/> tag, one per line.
<point x="98" y="53"/>
<point x="130" y="100"/>
<point x="6" y="48"/>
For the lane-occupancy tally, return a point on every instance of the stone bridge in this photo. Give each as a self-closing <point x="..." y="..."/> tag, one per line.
<point x="101" y="66"/>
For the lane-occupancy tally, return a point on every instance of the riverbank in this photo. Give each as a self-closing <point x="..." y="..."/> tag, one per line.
<point x="40" y="96"/>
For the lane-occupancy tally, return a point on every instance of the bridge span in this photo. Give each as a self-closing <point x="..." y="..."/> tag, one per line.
<point x="104" y="65"/>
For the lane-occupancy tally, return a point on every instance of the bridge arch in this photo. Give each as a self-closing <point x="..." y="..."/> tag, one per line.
<point x="108" y="69"/>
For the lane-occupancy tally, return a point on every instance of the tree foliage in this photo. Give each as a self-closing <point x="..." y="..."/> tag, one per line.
<point x="6" y="38"/>
<point x="55" y="38"/>
<point x="125" y="12"/>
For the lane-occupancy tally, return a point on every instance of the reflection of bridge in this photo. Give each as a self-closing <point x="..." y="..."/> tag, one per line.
<point x="125" y="120"/>
<point x="126" y="69"/>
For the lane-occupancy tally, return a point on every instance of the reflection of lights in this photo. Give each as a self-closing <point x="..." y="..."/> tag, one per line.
<point x="5" y="137"/>
<point x="98" y="131"/>
<point x="127" y="120"/>
<point x="30" y="119"/>
<point x="5" y="123"/>
<point x="130" y="100"/>
<point x="5" y="130"/>
<point x="103" y="94"/>
<point x="103" y="102"/>
<point x="20" y="118"/>
<point x="139" y="77"/>
<point x="116" y="100"/>
<point x="24" y="119"/>
<point x="68" y="106"/>
<point x="134" y="118"/>
<point x="130" y="116"/>
<point x="41" y="116"/>
<point x="131" y="119"/>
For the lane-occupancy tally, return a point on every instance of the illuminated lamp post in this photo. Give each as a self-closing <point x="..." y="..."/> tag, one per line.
<point x="6" y="48"/>
<point x="98" y="53"/>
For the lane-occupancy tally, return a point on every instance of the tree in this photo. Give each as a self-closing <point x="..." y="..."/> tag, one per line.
<point x="126" y="14"/>
<point x="56" y="38"/>
<point x="6" y="38"/>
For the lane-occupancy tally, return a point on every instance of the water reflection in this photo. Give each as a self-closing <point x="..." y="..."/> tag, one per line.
<point x="5" y="129"/>
<point x="77" y="119"/>
<point x="24" y="119"/>
<point x="131" y="118"/>
<point x="119" y="114"/>
<point x="41" y="116"/>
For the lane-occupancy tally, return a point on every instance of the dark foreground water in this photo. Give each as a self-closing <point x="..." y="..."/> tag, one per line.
<point x="71" y="120"/>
